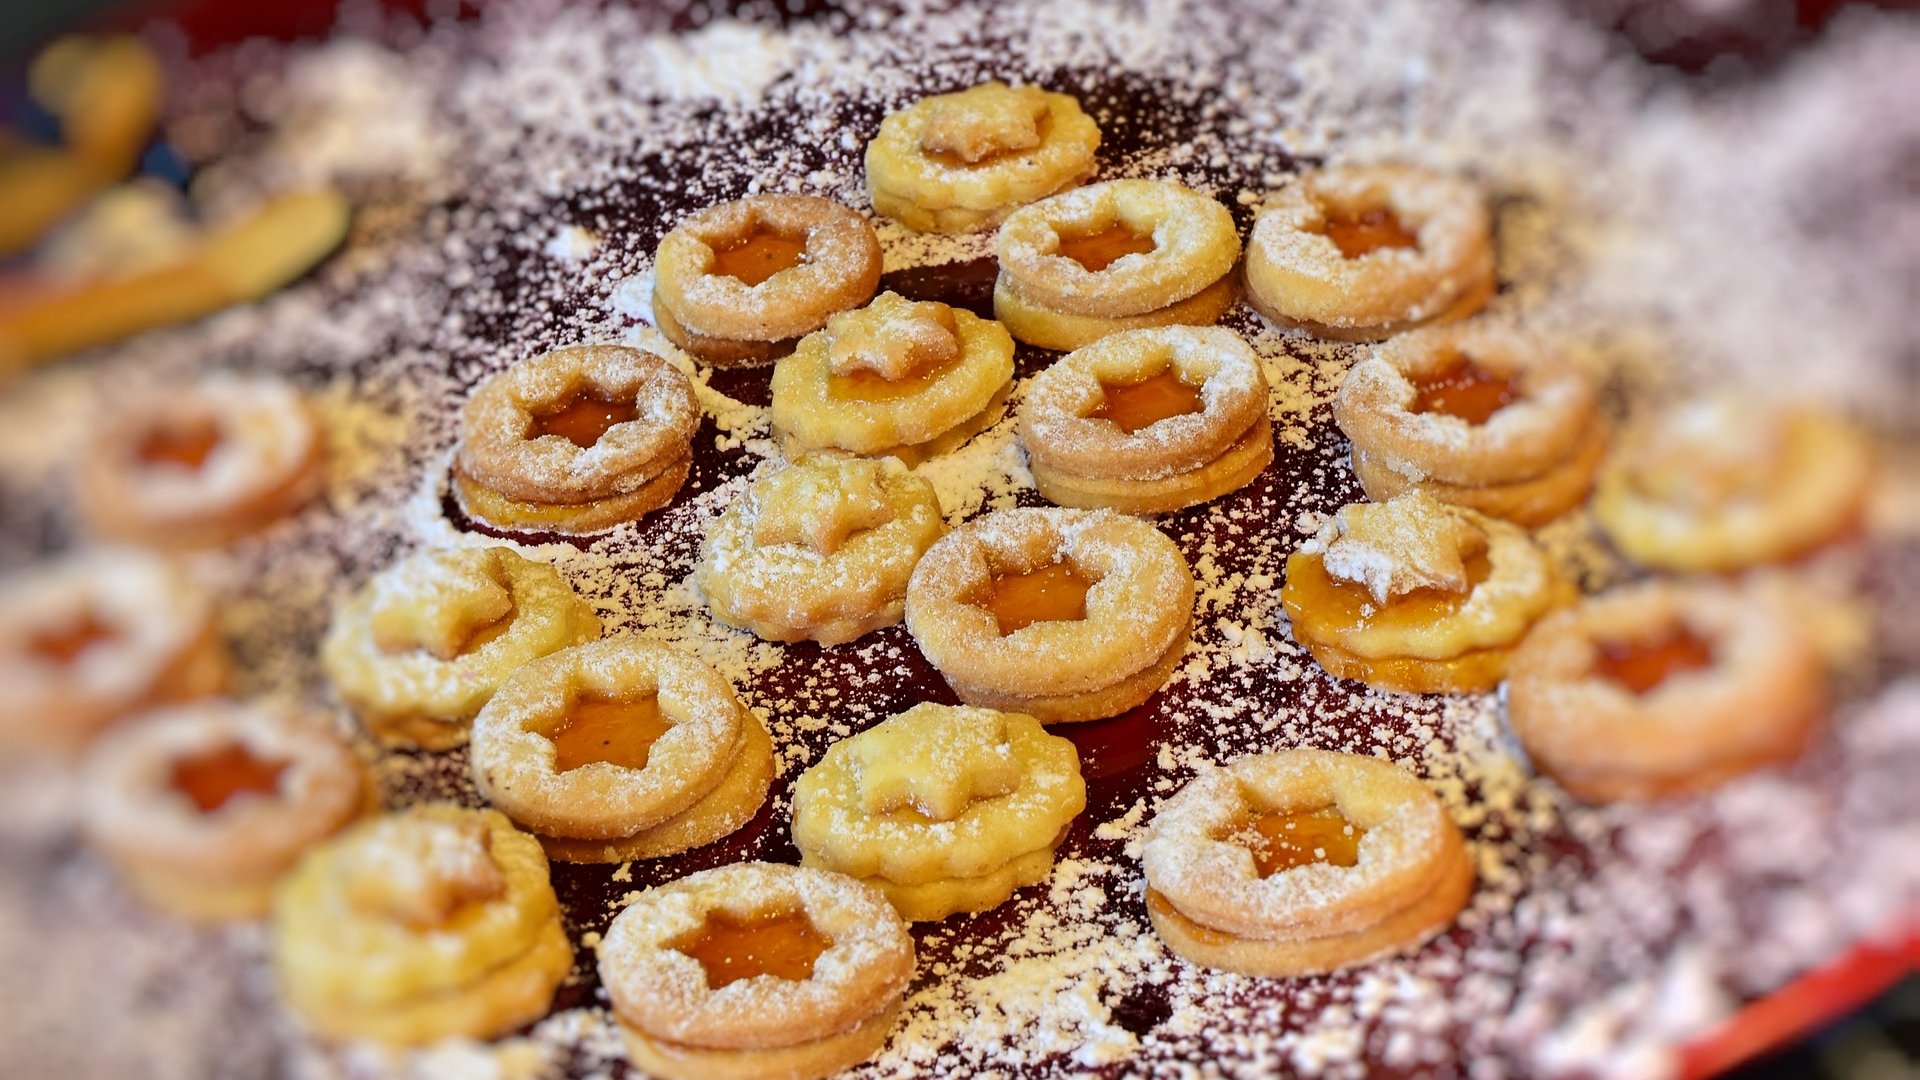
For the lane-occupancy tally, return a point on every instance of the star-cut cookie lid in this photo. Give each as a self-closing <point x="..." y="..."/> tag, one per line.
<point x="419" y="870"/>
<point x="937" y="760"/>
<point x="893" y="337"/>
<point x="1393" y="548"/>
<point x="986" y="120"/>
<point x="444" y="600"/>
<point x="820" y="501"/>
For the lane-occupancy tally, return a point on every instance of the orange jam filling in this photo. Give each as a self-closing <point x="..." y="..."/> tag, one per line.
<point x="783" y="945"/>
<point x="1099" y="250"/>
<point x="1055" y="592"/>
<point x="1332" y="601"/>
<point x="64" y="644"/>
<point x="583" y="418"/>
<point x="1357" y="234"/>
<point x="865" y="384"/>
<point x="1282" y="840"/>
<point x="1144" y="404"/>
<point x="758" y="256"/>
<point x="1465" y="390"/>
<point x="1642" y="665"/>
<point x="186" y="447"/>
<point x="607" y="729"/>
<point x="217" y="777"/>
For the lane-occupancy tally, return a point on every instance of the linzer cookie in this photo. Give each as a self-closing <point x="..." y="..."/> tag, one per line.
<point x="204" y="807"/>
<point x="87" y="641"/>
<point x="1119" y="255"/>
<point x="621" y="749"/>
<point x="1060" y="614"/>
<point x="959" y="162"/>
<point x="738" y="283"/>
<point x="1302" y="862"/>
<point x="943" y="809"/>
<point x="1666" y="688"/>
<point x="1477" y="415"/>
<point x="417" y="650"/>
<point x="576" y="440"/>
<point x="896" y="378"/>
<point x="1360" y="253"/>
<point x="202" y="465"/>
<point x="756" y="970"/>
<point x="1148" y="421"/>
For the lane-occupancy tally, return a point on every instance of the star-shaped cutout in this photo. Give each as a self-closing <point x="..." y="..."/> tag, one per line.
<point x="441" y="601"/>
<point x="420" y="870"/>
<point x="1407" y="543"/>
<point x="984" y="121"/>
<point x="937" y="760"/>
<point x="893" y="337"/>
<point x="820" y="501"/>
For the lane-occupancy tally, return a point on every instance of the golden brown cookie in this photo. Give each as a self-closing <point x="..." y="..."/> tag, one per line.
<point x="1060" y="614"/>
<point x="1476" y="415"/>
<point x="1360" y="253"/>
<point x="819" y="550"/>
<point x="622" y="746"/>
<point x="1148" y="421"/>
<point x="96" y="637"/>
<point x="204" y="807"/>
<point x="736" y="284"/>
<point x="1666" y="688"/>
<point x="959" y="162"/>
<point x="1120" y="255"/>
<point x="575" y="440"/>
<point x="1417" y="596"/>
<point x="427" y="924"/>
<point x="941" y="808"/>
<point x="1302" y="862"/>
<point x="202" y="465"/>
<point x="416" y="651"/>
<point x="1724" y="483"/>
<point x="896" y="378"/>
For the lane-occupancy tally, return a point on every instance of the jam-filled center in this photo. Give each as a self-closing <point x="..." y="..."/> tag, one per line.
<point x="759" y="255"/>
<point x="1133" y="406"/>
<point x="617" y="731"/>
<point x="583" y="418"/>
<point x="865" y="384"/>
<point x="1281" y="840"/>
<point x="64" y="643"/>
<point x="1055" y="592"/>
<point x="213" y="779"/>
<point x="1642" y="664"/>
<point x="183" y="446"/>
<point x="1361" y="232"/>
<point x="1465" y="390"/>
<point x="1098" y="250"/>
<point x="783" y="945"/>
<point x="1348" y="603"/>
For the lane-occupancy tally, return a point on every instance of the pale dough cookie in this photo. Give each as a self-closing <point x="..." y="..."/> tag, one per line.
<point x="202" y="465"/>
<point x="1417" y="596"/>
<point x="1060" y="614"/>
<point x="91" y="639"/>
<point x="1113" y="256"/>
<point x="417" y="650"/>
<point x="735" y="281"/>
<point x="1477" y="415"/>
<point x="609" y="741"/>
<point x="819" y="550"/>
<point x="1724" y="484"/>
<point x="942" y="808"/>
<point x="755" y="970"/>
<point x="1359" y="253"/>
<point x="204" y="807"/>
<point x="1666" y="688"/>
<point x="898" y="377"/>
<point x="959" y="162"/>
<point x="1301" y="862"/>
<point x="577" y="440"/>
<point x="418" y="926"/>
<point x="1148" y="421"/>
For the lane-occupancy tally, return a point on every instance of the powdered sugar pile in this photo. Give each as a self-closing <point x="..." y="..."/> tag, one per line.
<point x="1651" y="226"/>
